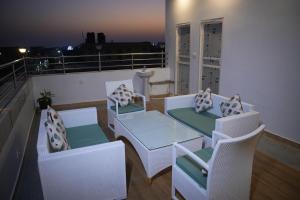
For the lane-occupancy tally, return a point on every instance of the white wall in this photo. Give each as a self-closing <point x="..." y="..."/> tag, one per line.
<point x="260" y="54"/>
<point x="90" y="86"/>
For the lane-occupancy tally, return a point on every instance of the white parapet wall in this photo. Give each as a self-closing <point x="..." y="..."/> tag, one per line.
<point x="15" y="123"/>
<point x="90" y="86"/>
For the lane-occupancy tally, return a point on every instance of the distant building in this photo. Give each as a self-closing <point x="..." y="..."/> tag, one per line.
<point x="90" y="38"/>
<point x="9" y="54"/>
<point x="130" y="47"/>
<point x="101" y="38"/>
<point x="38" y="51"/>
<point x="161" y="45"/>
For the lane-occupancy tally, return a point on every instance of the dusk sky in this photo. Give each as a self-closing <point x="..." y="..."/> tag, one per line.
<point x="61" y="22"/>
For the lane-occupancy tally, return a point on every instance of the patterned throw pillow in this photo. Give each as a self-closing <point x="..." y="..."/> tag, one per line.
<point x="123" y="95"/>
<point x="203" y="100"/>
<point x="56" y="138"/>
<point x="55" y="118"/>
<point x="232" y="107"/>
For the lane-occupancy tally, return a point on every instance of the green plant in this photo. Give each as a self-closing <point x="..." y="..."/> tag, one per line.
<point x="45" y="98"/>
<point x="46" y="94"/>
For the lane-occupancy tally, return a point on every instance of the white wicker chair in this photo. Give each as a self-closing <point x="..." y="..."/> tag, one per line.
<point x="91" y="172"/>
<point x="113" y="103"/>
<point x="229" y="169"/>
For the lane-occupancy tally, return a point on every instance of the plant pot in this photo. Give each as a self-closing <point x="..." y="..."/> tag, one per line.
<point x="44" y="102"/>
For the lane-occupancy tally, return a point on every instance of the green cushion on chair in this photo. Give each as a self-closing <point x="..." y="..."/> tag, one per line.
<point x="87" y="135"/>
<point x="203" y="122"/>
<point x="131" y="107"/>
<point x="193" y="169"/>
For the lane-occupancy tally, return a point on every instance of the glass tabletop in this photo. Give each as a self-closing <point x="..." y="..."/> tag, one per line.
<point x="156" y="130"/>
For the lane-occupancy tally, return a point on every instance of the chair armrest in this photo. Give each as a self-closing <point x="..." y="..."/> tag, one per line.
<point x="237" y="125"/>
<point x="116" y="102"/>
<point x="190" y="154"/>
<point x="79" y="117"/>
<point x="218" y="136"/>
<point x="143" y="97"/>
<point x="182" y="101"/>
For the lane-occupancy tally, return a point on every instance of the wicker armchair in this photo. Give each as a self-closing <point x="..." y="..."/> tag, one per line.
<point x="228" y="166"/>
<point x="113" y="108"/>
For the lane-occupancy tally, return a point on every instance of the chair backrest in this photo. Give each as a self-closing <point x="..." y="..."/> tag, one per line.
<point x="238" y="125"/>
<point x="231" y="167"/>
<point x="112" y="85"/>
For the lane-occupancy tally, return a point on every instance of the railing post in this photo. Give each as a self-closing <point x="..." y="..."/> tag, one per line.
<point x="162" y="59"/>
<point x="131" y="60"/>
<point x="63" y="64"/>
<point x="14" y="75"/>
<point x="99" y="60"/>
<point x="25" y="67"/>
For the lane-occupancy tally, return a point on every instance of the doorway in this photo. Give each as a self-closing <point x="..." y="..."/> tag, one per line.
<point x="211" y="40"/>
<point x="182" y="59"/>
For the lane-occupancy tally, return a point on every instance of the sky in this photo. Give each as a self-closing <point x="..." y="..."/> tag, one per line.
<point x="64" y="22"/>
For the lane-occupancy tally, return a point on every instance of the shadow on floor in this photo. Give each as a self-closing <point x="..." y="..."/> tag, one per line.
<point x="29" y="185"/>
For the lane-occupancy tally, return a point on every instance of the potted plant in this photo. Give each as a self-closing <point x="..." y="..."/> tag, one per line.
<point x="45" y="99"/>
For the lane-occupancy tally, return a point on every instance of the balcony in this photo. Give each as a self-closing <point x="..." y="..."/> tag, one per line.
<point x="77" y="86"/>
<point x="258" y="61"/>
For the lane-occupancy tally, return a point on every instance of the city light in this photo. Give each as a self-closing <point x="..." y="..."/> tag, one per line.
<point x="22" y="50"/>
<point x="70" y="48"/>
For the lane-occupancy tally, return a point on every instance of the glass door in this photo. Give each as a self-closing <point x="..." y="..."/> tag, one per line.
<point x="183" y="59"/>
<point x="211" y="58"/>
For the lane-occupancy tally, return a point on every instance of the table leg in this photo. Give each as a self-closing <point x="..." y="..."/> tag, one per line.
<point x="149" y="180"/>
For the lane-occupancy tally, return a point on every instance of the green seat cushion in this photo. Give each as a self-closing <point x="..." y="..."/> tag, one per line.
<point x="203" y="122"/>
<point x="131" y="107"/>
<point x="193" y="169"/>
<point x="87" y="135"/>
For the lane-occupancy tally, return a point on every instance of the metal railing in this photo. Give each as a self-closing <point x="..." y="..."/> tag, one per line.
<point x="12" y="77"/>
<point x="14" y="74"/>
<point x="98" y="62"/>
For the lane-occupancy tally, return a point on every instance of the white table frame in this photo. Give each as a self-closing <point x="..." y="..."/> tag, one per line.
<point x="158" y="159"/>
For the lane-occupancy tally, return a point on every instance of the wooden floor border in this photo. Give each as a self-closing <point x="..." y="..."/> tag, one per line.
<point x="282" y="140"/>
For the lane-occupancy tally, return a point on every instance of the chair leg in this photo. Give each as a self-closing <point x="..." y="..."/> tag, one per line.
<point x="173" y="192"/>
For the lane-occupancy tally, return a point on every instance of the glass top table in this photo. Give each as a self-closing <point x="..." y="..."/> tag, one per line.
<point x="156" y="130"/>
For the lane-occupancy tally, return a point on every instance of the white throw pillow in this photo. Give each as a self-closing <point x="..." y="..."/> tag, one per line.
<point x="203" y="100"/>
<point x="123" y="95"/>
<point x="55" y="118"/>
<point x="232" y="107"/>
<point x="56" y="138"/>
